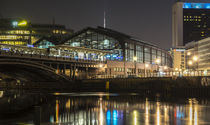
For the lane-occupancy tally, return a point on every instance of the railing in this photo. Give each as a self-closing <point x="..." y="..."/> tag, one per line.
<point x="46" y="57"/>
<point x="155" y="74"/>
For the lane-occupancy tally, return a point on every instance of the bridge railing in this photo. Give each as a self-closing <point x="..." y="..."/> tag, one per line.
<point x="155" y="74"/>
<point x="46" y="57"/>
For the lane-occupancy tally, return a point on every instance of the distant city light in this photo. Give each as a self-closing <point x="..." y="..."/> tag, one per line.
<point x="196" y="5"/>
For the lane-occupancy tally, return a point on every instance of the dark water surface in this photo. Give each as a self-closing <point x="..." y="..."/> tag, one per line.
<point x="24" y="108"/>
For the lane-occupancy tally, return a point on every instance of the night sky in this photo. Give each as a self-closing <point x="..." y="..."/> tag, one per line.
<point x="148" y="20"/>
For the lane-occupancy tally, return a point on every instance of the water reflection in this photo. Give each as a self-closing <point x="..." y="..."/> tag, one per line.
<point x="93" y="110"/>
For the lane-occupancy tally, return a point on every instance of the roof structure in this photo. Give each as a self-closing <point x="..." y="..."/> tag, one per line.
<point x="108" y="32"/>
<point x="112" y="33"/>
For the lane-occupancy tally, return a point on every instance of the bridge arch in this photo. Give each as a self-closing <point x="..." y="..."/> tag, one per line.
<point x="29" y="71"/>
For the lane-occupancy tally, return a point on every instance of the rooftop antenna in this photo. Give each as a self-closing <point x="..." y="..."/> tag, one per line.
<point x="104" y="19"/>
<point x="104" y="13"/>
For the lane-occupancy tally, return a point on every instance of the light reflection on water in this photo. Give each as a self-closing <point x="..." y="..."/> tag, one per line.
<point x="118" y="110"/>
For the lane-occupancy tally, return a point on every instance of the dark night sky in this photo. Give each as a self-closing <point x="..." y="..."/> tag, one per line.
<point x="149" y="20"/>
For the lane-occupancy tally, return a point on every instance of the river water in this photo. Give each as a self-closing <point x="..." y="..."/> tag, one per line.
<point x="36" y="108"/>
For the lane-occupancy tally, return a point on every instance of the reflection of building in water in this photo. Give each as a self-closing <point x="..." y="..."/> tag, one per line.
<point x="99" y="112"/>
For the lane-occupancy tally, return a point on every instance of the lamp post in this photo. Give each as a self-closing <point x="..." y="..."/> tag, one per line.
<point x="195" y="59"/>
<point x="190" y="64"/>
<point x="165" y="68"/>
<point x="135" y="59"/>
<point x="157" y="61"/>
<point x="145" y="66"/>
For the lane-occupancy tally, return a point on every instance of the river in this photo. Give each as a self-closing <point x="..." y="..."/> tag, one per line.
<point x="42" y="108"/>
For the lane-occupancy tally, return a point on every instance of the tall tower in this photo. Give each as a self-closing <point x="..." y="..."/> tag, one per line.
<point x="190" y="22"/>
<point x="177" y="24"/>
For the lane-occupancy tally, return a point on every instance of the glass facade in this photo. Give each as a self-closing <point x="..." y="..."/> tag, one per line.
<point x="93" y="40"/>
<point x="120" y="46"/>
<point x="45" y="44"/>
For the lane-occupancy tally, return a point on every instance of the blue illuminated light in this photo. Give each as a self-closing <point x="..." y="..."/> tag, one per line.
<point x="30" y="45"/>
<point x="108" y="56"/>
<point x="196" y="5"/>
<point x="115" y="117"/>
<point x="114" y="56"/>
<point x="6" y="49"/>
<point x="108" y="117"/>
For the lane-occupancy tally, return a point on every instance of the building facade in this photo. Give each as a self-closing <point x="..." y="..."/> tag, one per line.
<point x="198" y="55"/>
<point x="178" y="56"/>
<point x="128" y="55"/>
<point x="190" y="22"/>
<point x="19" y="31"/>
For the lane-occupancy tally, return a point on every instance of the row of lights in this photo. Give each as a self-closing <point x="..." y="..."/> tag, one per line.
<point x="195" y="58"/>
<point x="157" y="61"/>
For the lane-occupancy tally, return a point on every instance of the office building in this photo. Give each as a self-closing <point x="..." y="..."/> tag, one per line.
<point x="17" y="31"/>
<point x="190" y="22"/>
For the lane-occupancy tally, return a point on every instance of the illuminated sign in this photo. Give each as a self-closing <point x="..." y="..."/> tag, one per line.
<point x="21" y="23"/>
<point x="196" y="5"/>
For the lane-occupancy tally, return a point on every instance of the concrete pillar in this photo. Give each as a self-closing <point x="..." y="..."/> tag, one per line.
<point x="74" y="72"/>
<point x="86" y="72"/>
<point x="64" y="69"/>
<point x="70" y="73"/>
<point x="57" y="69"/>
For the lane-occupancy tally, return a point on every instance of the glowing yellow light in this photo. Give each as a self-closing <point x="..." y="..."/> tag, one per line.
<point x="176" y="69"/>
<point x="195" y="58"/>
<point x="165" y="67"/>
<point x="157" y="61"/>
<point x="22" y="23"/>
<point x="146" y="65"/>
<point x="100" y="65"/>
<point x="134" y="58"/>
<point x="190" y="62"/>
<point x="188" y="53"/>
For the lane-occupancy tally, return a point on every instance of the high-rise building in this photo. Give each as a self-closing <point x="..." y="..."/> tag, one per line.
<point x="190" y="22"/>
<point x="17" y="31"/>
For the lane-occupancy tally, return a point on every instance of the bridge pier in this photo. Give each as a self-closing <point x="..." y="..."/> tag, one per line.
<point x="70" y="71"/>
<point x="74" y="72"/>
<point x="64" y="68"/>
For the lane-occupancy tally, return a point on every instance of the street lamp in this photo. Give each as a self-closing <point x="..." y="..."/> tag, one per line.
<point x="157" y="61"/>
<point x="145" y="66"/>
<point x="135" y="59"/>
<point x="195" y="58"/>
